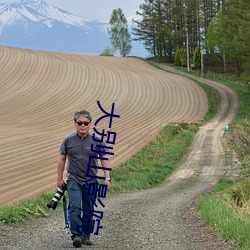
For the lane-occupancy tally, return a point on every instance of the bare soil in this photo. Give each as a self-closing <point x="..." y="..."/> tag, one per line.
<point x="164" y="217"/>
<point x="40" y="91"/>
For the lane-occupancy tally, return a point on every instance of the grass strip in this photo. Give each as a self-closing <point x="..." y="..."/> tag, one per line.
<point x="229" y="224"/>
<point x="23" y="210"/>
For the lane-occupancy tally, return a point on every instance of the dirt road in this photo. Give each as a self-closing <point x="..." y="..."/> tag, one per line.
<point x="40" y="91"/>
<point x="159" y="218"/>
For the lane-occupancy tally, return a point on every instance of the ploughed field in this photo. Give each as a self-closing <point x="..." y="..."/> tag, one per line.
<point x="40" y="91"/>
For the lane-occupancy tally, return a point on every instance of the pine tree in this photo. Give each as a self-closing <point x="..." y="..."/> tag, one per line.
<point x="146" y="26"/>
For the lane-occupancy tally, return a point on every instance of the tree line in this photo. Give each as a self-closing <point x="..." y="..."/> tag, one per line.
<point x="214" y="27"/>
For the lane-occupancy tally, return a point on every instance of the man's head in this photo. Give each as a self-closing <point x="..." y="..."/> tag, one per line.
<point x="82" y="121"/>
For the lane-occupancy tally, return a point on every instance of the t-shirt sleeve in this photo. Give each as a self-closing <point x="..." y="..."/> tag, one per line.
<point x="103" y="149"/>
<point x="63" y="148"/>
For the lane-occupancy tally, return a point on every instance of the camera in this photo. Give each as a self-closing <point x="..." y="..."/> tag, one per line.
<point x="58" y="195"/>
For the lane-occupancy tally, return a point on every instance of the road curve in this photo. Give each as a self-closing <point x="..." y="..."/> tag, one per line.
<point x="160" y="218"/>
<point x="40" y="91"/>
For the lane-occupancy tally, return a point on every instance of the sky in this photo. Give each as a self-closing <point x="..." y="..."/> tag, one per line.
<point x="100" y="10"/>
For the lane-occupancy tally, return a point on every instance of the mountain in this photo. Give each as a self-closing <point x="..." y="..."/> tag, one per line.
<point x="36" y="24"/>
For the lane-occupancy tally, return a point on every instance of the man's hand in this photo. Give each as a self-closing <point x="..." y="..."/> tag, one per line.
<point x="106" y="182"/>
<point x="60" y="183"/>
<point x="105" y="164"/>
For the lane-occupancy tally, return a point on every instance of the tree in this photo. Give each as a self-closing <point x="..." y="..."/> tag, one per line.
<point x="165" y="24"/>
<point x="181" y="57"/>
<point x="146" y="29"/>
<point x="216" y="39"/>
<point x="242" y="34"/>
<point x="107" y="52"/>
<point x="197" y="58"/>
<point x="228" y="34"/>
<point x="119" y="34"/>
<point x="177" y="58"/>
<point x="154" y="28"/>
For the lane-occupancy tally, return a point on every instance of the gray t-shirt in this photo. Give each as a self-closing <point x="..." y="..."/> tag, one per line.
<point x="79" y="151"/>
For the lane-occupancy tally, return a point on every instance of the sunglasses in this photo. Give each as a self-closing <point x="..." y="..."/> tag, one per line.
<point x="83" y="123"/>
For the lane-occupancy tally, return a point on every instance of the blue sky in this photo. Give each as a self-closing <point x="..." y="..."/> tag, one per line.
<point x="94" y="9"/>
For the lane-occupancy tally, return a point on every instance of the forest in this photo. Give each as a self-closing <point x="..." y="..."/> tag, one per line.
<point x="216" y="30"/>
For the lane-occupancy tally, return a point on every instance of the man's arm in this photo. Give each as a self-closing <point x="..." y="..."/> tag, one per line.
<point x="60" y="170"/>
<point x="105" y="164"/>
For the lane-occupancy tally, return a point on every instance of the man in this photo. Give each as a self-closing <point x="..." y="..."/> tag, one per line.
<point x="77" y="148"/>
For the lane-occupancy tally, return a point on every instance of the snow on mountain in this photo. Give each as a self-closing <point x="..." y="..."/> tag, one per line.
<point x="36" y="24"/>
<point x="52" y="12"/>
<point x="36" y="11"/>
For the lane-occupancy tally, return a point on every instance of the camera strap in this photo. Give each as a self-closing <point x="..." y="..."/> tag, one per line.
<point x="66" y="215"/>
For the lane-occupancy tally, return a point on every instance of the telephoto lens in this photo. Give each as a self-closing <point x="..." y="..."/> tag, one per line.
<point x="54" y="201"/>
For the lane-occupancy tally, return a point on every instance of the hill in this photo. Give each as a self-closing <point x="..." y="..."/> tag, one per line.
<point x="40" y="91"/>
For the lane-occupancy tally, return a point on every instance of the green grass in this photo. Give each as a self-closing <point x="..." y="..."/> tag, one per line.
<point x="213" y="100"/>
<point x="227" y="77"/>
<point x="223" y="184"/>
<point x="217" y="212"/>
<point x="22" y="211"/>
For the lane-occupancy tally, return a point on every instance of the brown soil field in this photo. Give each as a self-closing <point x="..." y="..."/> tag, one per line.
<point x="40" y="91"/>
